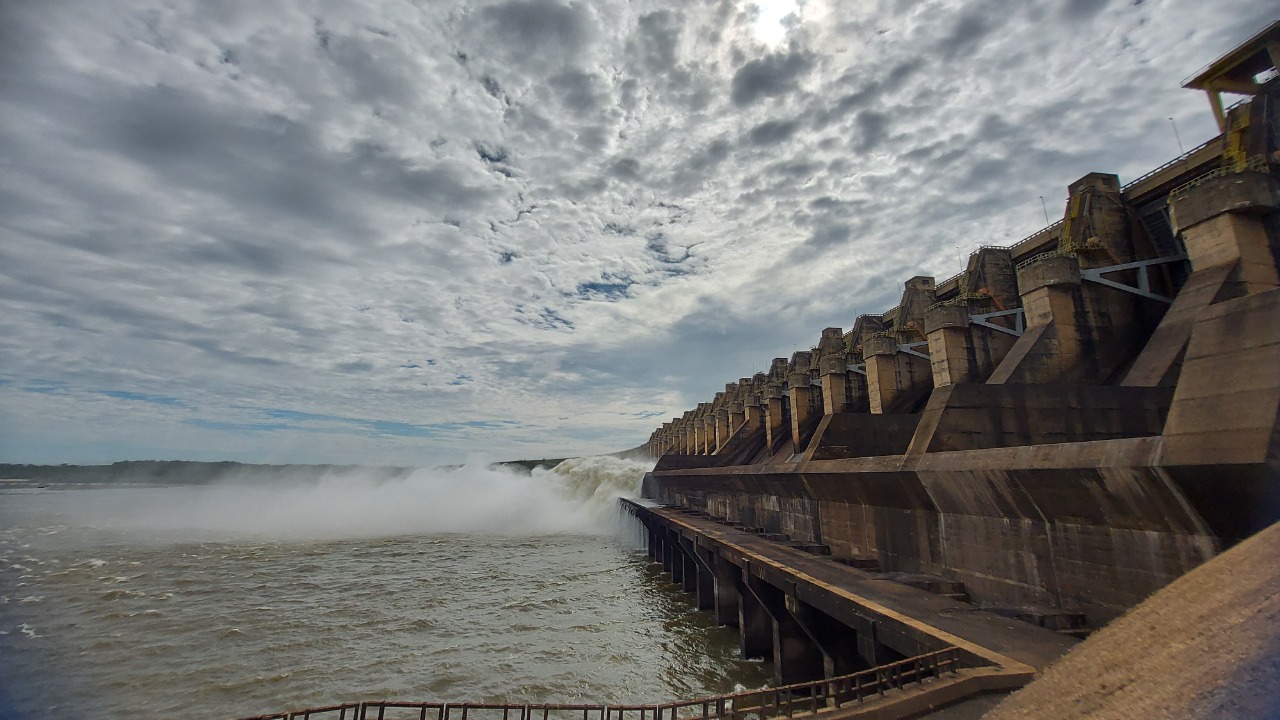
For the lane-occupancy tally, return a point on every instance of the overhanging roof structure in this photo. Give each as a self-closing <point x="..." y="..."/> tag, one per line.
<point x="1237" y="71"/>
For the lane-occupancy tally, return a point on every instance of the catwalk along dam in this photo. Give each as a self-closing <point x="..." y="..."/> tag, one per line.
<point x="1015" y="455"/>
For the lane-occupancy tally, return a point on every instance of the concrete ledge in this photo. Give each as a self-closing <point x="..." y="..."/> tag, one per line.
<point x="1245" y="192"/>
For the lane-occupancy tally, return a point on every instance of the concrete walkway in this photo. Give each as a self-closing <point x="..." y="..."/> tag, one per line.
<point x="852" y="595"/>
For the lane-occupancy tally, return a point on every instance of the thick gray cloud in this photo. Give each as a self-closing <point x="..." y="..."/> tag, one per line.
<point x="772" y="132"/>
<point x="770" y="76"/>
<point x="545" y="33"/>
<point x="388" y="231"/>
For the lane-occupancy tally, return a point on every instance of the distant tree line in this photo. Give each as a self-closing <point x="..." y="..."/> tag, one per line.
<point x="189" y="472"/>
<point x="186" y="472"/>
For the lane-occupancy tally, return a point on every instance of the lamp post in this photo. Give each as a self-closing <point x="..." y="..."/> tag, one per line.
<point x="1177" y="137"/>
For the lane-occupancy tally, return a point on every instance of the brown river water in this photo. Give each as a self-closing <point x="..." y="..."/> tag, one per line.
<point x="224" y="601"/>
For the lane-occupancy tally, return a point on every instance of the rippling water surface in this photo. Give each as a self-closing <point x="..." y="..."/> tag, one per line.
<point x="218" y="602"/>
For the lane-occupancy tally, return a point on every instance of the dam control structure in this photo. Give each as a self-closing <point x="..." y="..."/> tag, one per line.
<point x="1053" y="434"/>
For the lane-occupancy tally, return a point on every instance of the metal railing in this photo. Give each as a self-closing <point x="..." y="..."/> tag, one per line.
<point x="1183" y="158"/>
<point x="785" y="701"/>
<point x="1046" y="230"/>
<point x="1255" y="163"/>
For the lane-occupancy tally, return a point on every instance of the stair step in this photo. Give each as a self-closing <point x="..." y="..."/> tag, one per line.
<point x="868" y="564"/>
<point x="814" y="548"/>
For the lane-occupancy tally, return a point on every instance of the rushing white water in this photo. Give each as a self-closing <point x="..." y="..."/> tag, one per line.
<point x="233" y="599"/>
<point x="577" y="496"/>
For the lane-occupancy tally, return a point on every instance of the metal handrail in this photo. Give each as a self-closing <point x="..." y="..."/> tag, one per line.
<point x="957" y="276"/>
<point x="784" y="701"/>
<point x="1041" y="231"/>
<point x="1256" y="163"/>
<point x="1180" y="159"/>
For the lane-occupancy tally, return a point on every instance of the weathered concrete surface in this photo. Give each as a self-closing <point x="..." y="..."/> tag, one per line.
<point x="970" y="417"/>
<point x="1161" y="360"/>
<point x="1074" y="526"/>
<point x="847" y="435"/>
<point x="1204" y="647"/>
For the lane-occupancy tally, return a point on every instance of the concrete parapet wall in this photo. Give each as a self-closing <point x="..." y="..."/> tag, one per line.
<point x="1052" y="525"/>
<point x="970" y="417"/>
<point x="847" y="435"/>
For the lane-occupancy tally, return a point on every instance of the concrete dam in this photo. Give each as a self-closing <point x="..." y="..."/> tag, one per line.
<point x="1055" y="433"/>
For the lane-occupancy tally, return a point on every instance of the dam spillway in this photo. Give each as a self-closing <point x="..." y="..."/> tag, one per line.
<point x="1063" y="428"/>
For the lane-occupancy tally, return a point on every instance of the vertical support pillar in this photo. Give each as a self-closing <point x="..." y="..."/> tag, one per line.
<point x="799" y="389"/>
<point x="722" y="427"/>
<point x="669" y="557"/>
<point x="689" y="576"/>
<point x="796" y="658"/>
<point x="951" y="356"/>
<point x="882" y="372"/>
<point x="869" y="648"/>
<point x="838" y="642"/>
<point x="835" y="380"/>
<point x="1222" y="222"/>
<point x="727" y="597"/>
<point x="703" y="579"/>
<point x="736" y="417"/>
<point x="774" y="427"/>
<point x="754" y="414"/>
<point x="1051" y="296"/>
<point x="755" y="628"/>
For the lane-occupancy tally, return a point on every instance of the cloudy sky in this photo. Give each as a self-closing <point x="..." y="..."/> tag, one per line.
<point x="405" y="232"/>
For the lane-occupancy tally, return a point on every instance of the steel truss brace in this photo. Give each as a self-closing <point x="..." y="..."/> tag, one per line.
<point x="910" y="349"/>
<point x="1144" y="281"/>
<point x="1019" y="321"/>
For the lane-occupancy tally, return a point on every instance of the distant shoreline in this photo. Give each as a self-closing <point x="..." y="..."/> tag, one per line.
<point x="191" y="472"/>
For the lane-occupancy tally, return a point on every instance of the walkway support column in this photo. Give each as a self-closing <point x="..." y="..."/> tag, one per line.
<point x="838" y="642"/>
<point x="796" y="658"/>
<point x="726" y="591"/>
<point x="755" y="628"/>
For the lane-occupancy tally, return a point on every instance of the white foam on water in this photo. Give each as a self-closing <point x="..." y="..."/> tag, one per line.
<point x="577" y="496"/>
